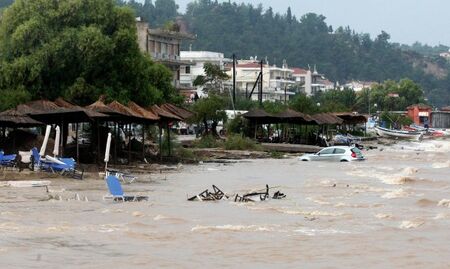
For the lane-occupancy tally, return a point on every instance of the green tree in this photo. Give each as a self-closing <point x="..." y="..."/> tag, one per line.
<point x="211" y="109"/>
<point x="78" y="49"/>
<point x="304" y="104"/>
<point x="213" y="79"/>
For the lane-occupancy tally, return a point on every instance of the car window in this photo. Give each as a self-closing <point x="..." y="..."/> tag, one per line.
<point x="357" y="151"/>
<point x="327" y="151"/>
<point x="339" y="151"/>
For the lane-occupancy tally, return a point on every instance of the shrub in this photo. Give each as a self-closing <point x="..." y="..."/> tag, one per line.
<point x="208" y="141"/>
<point x="237" y="142"/>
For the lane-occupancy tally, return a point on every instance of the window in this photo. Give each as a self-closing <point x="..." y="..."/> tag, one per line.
<point x="327" y="151"/>
<point x="339" y="151"/>
<point x="188" y="69"/>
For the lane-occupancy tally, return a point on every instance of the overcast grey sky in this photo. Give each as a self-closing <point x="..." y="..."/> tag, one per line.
<point x="407" y="21"/>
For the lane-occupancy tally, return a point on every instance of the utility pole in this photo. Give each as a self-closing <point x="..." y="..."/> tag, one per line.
<point x="234" y="78"/>
<point x="260" y="97"/>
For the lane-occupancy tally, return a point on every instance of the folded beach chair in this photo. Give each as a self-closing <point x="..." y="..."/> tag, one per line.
<point x="7" y="160"/>
<point x="63" y="166"/>
<point x="115" y="188"/>
<point x="36" y="158"/>
<point x="123" y="176"/>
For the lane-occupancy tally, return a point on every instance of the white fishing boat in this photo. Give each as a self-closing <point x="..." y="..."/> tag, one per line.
<point x="384" y="132"/>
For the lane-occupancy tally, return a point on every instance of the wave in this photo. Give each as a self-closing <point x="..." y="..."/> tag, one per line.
<point x="425" y="202"/>
<point x="444" y="203"/>
<point x="398" y="193"/>
<point x="171" y="219"/>
<point x="313" y="232"/>
<point x="411" y="224"/>
<point x="233" y="228"/>
<point x="383" y="216"/>
<point x="441" y="165"/>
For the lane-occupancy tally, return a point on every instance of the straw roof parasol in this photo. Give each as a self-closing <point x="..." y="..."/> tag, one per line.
<point x="90" y="113"/>
<point x="49" y="112"/>
<point x="327" y="118"/>
<point x="351" y="118"/>
<point x="292" y="116"/>
<point x="129" y="113"/>
<point x="164" y="114"/>
<point x="13" y="118"/>
<point x="99" y="106"/>
<point x="147" y="114"/>
<point x="260" y="116"/>
<point x="178" y="111"/>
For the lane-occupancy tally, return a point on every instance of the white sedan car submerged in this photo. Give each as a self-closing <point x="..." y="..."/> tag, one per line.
<point x="335" y="154"/>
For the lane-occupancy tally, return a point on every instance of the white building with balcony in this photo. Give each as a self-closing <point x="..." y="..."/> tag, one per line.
<point x="163" y="46"/>
<point x="311" y="83"/>
<point x="277" y="81"/>
<point x="197" y="60"/>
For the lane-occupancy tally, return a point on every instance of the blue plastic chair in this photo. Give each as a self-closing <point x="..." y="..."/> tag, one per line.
<point x="7" y="160"/>
<point x="115" y="188"/>
<point x="68" y="167"/>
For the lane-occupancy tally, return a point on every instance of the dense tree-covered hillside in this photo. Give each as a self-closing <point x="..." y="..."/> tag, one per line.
<point x="341" y="54"/>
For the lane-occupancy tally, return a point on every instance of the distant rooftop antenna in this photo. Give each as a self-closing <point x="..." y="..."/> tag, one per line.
<point x="190" y="47"/>
<point x="285" y="63"/>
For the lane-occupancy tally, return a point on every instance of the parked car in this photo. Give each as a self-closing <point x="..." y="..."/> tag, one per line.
<point x="336" y="154"/>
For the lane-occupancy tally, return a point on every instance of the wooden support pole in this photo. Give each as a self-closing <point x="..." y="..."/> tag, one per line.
<point x="77" y="143"/>
<point x="98" y="142"/>
<point x="168" y="139"/>
<point x="116" y="139"/>
<point x="143" y="141"/>
<point x="160" y="142"/>
<point x="129" y="143"/>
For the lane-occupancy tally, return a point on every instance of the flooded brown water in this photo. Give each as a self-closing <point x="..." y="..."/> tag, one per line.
<point x="391" y="211"/>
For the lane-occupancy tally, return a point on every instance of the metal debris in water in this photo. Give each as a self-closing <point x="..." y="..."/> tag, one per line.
<point x="206" y="195"/>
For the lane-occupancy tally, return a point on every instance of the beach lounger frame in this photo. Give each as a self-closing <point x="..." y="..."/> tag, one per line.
<point x="117" y="194"/>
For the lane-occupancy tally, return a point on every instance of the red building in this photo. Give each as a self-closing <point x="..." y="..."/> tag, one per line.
<point x="420" y="114"/>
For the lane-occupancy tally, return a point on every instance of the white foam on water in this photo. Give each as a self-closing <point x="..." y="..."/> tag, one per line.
<point x="233" y="228"/>
<point x="383" y="216"/>
<point x="411" y="224"/>
<point x="314" y="213"/>
<point x="138" y="214"/>
<point x="444" y="203"/>
<point x="441" y="165"/>
<point x="109" y="228"/>
<point x="313" y="232"/>
<point x="317" y="201"/>
<point x="441" y="216"/>
<point x="398" y="193"/>
<point x="403" y="177"/>
<point x="62" y="228"/>
<point x="160" y="217"/>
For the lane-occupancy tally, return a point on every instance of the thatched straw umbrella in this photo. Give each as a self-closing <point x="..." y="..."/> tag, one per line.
<point x="183" y="113"/>
<point x="148" y="115"/>
<point x="14" y="119"/>
<point x="166" y="117"/>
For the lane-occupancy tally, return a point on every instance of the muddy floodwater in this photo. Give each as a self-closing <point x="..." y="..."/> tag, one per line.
<point x="390" y="211"/>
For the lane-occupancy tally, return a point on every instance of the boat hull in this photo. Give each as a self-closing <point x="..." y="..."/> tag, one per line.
<point x="384" y="132"/>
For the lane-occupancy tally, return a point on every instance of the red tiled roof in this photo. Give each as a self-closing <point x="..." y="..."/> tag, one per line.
<point x="250" y="65"/>
<point x="299" y="71"/>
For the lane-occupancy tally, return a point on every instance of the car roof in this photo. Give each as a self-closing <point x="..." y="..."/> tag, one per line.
<point x="339" y="147"/>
